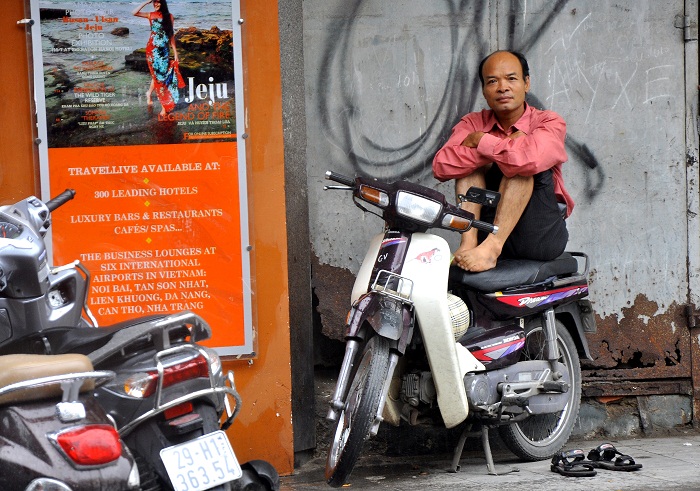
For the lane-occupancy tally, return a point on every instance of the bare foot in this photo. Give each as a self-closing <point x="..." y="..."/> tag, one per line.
<point x="481" y="258"/>
<point x="163" y="113"/>
<point x="468" y="242"/>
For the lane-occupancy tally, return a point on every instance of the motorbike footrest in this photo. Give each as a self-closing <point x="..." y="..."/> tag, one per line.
<point x="561" y="387"/>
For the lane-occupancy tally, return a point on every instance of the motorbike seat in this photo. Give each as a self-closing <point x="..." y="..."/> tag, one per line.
<point x="24" y="368"/>
<point x="69" y="339"/>
<point x="509" y="273"/>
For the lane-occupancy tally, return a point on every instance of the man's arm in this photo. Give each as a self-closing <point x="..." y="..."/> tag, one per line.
<point x="454" y="160"/>
<point x="527" y="154"/>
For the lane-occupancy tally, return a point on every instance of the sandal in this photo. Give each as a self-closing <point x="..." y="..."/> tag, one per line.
<point x="571" y="463"/>
<point x="602" y="457"/>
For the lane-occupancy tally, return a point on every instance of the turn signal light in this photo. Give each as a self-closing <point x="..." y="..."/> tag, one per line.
<point x="90" y="445"/>
<point x="379" y="198"/>
<point x="456" y="223"/>
<point x="144" y="384"/>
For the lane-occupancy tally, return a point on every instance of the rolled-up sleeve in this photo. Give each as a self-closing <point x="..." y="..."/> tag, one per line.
<point x="454" y="160"/>
<point x="540" y="149"/>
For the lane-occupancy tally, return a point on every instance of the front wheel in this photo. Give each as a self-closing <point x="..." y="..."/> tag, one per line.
<point x="361" y="406"/>
<point x="540" y="436"/>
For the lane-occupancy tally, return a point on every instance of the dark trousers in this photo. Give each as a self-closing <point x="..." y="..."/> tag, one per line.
<point x="541" y="232"/>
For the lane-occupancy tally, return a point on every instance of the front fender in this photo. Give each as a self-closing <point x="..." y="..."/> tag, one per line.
<point x="387" y="316"/>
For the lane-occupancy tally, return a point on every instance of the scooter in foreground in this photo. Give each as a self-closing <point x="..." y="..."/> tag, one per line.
<point x="169" y="393"/>
<point x="54" y="436"/>
<point x="427" y="343"/>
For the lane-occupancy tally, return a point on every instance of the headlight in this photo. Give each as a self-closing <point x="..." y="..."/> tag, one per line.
<point x="417" y="207"/>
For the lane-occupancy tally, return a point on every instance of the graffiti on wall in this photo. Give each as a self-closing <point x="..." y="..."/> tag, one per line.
<point x="377" y="146"/>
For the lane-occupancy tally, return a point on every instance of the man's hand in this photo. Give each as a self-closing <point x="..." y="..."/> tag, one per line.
<point x="473" y="139"/>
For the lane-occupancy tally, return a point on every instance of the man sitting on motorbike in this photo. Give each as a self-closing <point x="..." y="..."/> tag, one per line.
<point x="517" y="150"/>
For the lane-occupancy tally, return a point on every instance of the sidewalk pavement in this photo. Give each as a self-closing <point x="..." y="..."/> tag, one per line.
<point x="669" y="462"/>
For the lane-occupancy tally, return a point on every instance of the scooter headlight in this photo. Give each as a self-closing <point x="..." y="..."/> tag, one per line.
<point x="417" y="208"/>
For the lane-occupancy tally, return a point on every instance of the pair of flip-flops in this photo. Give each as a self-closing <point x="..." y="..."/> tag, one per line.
<point x="572" y="463"/>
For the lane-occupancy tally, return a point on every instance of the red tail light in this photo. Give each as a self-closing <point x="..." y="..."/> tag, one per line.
<point x="179" y="410"/>
<point x="144" y="384"/>
<point x="90" y="445"/>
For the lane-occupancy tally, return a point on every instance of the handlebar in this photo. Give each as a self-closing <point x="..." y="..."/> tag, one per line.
<point x="61" y="199"/>
<point x="476" y="195"/>
<point x="485" y="226"/>
<point x="333" y="176"/>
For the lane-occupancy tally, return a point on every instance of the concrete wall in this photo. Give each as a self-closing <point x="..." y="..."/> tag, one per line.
<point x="385" y="82"/>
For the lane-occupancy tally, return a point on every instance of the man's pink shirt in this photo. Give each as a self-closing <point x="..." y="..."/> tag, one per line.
<point x="540" y="149"/>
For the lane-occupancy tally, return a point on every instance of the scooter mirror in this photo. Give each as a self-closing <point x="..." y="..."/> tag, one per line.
<point x="484" y="197"/>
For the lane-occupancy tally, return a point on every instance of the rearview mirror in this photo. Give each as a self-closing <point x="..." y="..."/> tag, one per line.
<point x="484" y="197"/>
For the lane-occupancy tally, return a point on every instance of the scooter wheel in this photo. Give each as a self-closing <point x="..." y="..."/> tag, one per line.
<point x="361" y="406"/>
<point x="541" y="436"/>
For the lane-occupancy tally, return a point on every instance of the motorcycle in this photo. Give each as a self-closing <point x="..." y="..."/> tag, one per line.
<point x="53" y="433"/>
<point x="430" y="342"/>
<point x="169" y="393"/>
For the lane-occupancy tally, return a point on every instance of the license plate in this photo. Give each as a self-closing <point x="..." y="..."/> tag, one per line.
<point x="202" y="463"/>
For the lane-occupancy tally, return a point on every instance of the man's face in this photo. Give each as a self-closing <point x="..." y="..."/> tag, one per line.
<point x="504" y="85"/>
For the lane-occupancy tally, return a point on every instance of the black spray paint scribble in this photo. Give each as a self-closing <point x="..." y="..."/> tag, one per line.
<point x="341" y="113"/>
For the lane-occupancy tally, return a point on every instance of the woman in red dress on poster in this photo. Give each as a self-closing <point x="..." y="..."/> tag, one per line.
<point x="165" y="75"/>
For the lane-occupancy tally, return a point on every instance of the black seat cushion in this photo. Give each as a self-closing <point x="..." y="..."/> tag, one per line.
<point x="515" y="272"/>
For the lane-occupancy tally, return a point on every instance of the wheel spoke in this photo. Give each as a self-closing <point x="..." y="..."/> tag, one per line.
<point x="541" y="435"/>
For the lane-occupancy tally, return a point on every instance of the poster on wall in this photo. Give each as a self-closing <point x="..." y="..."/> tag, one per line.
<point x="139" y="104"/>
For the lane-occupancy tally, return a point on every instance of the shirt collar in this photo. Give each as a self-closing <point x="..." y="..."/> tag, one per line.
<point x="522" y="124"/>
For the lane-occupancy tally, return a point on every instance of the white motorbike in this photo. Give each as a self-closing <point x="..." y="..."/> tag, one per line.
<point x="427" y="342"/>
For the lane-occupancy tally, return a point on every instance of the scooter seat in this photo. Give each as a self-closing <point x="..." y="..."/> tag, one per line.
<point x="68" y="339"/>
<point x="509" y="273"/>
<point x="23" y="368"/>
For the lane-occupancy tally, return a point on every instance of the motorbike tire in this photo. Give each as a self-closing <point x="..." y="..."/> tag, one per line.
<point x="146" y="442"/>
<point x="361" y="405"/>
<point x="540" y="436"/>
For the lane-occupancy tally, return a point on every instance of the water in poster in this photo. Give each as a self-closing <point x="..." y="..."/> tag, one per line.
<point x="107" y="83"/>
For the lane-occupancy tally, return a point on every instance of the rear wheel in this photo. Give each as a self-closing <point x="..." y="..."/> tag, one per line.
<point x="361" y="405"/>
<point x="146" y="442"/>
<point x="540" y="436"/>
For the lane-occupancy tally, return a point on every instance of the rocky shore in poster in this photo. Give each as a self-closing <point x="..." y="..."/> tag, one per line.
<point x="96" y="82"/>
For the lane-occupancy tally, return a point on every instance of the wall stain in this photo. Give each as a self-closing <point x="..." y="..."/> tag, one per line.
<point x="643" y="342"/>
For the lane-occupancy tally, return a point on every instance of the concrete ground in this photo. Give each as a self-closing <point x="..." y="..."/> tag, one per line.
<point x="669" y="462"/>
<point x="418" y="458"/>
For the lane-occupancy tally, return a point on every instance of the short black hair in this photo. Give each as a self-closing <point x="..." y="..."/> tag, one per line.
<point x="518" y="55"/>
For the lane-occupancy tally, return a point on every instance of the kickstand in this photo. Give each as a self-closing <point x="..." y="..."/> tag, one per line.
<point x="487" y="451"/>
<point x="489" y="458"/>
<point x="466" y="432"/>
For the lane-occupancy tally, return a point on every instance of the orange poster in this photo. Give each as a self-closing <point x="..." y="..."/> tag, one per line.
<point x="142" y="100"/>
